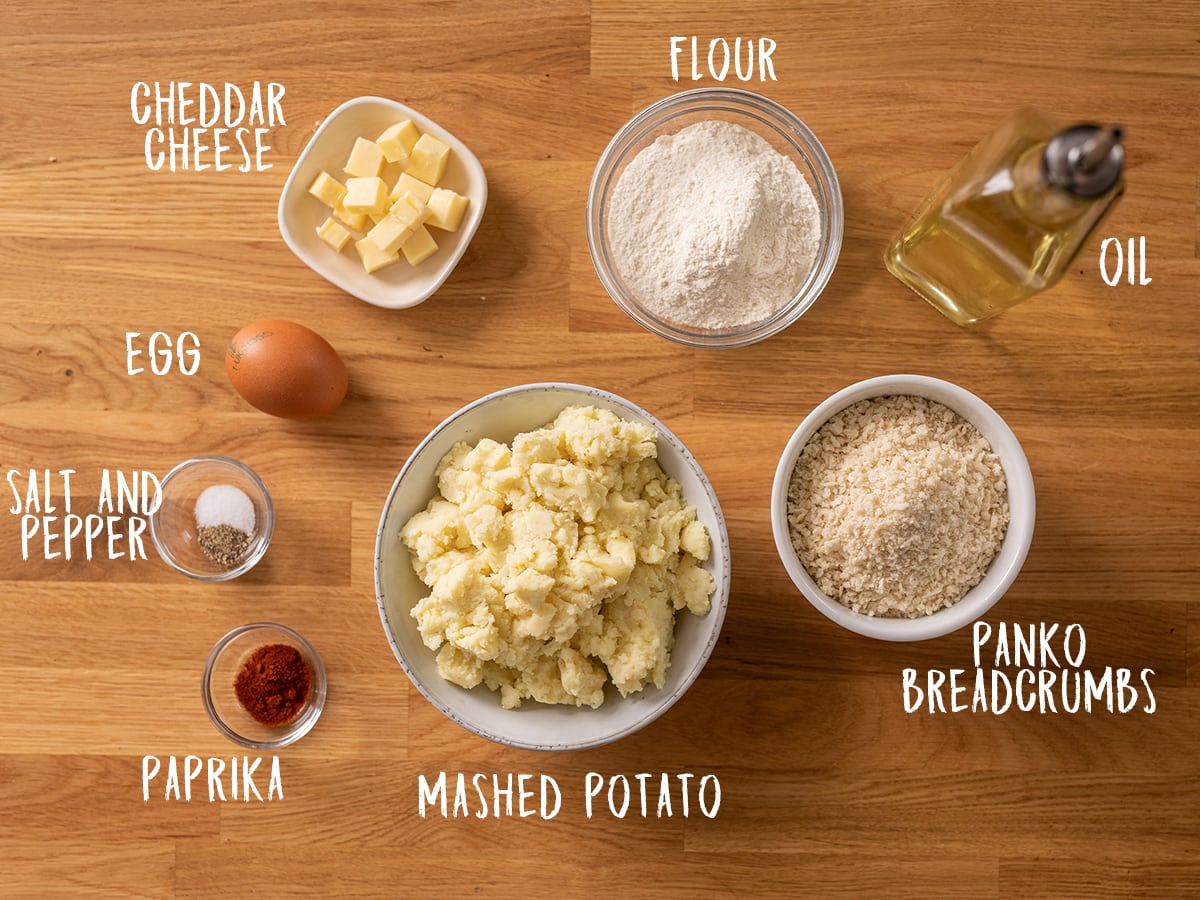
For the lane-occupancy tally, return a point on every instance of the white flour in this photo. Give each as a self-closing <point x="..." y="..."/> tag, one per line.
<point x="712" y="228"/>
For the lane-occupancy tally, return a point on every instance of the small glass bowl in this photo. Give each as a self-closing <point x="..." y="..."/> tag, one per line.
<point x="173" y="521"/>
<point x="783" y="131"/>
<point x="221" y="702"/>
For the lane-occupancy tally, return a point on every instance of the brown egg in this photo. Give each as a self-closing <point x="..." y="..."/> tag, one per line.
<point x="286" y="370"/>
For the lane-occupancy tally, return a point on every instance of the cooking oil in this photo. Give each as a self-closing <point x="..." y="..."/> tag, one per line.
<point x="1009" y="219"/>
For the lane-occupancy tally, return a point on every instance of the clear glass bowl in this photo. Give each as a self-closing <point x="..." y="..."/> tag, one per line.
<point x="783" y="131"/>
<point x="226" y="711"/>
<point x="173" y="521"/>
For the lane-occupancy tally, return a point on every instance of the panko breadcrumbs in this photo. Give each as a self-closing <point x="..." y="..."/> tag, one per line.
<point x="897" y="506"/>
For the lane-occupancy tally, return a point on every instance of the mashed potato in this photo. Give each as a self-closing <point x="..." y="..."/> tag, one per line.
<point x="559" y="563"/>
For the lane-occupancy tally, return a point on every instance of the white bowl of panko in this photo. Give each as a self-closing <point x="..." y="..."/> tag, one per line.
<point x="552" y="567"/>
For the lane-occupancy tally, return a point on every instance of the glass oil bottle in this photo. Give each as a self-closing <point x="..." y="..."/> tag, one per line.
<point x="1008" y="220"/>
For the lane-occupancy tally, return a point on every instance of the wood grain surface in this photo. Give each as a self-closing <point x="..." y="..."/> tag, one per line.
<point x="829" y="788"/>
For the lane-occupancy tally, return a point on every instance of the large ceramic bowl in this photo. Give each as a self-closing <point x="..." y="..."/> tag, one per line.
<point x="786" y="133"/>
<point x="501" y="416"/>
<point x="1007" y="563"/>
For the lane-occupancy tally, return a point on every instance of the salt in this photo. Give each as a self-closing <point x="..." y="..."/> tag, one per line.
<point x="225" y="504"/>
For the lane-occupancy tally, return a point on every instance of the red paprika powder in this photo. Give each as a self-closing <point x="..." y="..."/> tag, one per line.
<point x="273" y="684"/>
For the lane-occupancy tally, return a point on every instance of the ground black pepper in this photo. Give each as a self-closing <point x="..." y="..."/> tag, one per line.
<point x="223" y="544"/>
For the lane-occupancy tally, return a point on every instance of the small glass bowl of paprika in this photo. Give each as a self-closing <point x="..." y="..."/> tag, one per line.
<point x="263" y="686"/>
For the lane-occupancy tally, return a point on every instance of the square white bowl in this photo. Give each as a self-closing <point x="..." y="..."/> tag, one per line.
<point x="399" y="285"/>
<point x="538" y="726"/>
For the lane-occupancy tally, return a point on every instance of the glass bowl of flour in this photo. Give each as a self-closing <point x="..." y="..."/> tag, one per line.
<point x="714" y="218"/>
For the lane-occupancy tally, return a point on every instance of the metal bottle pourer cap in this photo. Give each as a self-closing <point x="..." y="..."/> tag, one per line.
<point x="1086" y="160"/>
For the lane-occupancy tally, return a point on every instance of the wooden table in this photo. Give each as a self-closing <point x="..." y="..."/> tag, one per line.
<point x="828" y="787"/>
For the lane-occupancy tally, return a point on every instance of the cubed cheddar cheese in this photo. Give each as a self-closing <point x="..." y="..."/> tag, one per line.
<point x="357" y="221"/>
<point x="410" y="210"/>
<point x="333" y="234"/>
<point x="420" y="246"/>
<point x="397" y="141"/>
<point x="365" y="195"/>
<point x="428" y="159"/>
<point x="372" y="257"/>
<point x="446" y="209"/>
<point x="394" y="221"/>
<point x="406" y="183"/>
<point x="328" y="190"/>
<point x="366" y="159"/>
<point x="390" y="234"/>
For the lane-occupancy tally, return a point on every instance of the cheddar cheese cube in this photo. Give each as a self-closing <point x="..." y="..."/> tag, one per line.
<point x="420" y="246"/>
<point x="390" y="234"/>
<point x="446" y="209"/>
<point x="365" y="195"/>
<point x="396" y="142"/>
<point x="333" y="234"/>
<point x="374" y="259"/>
<point x="428" y="159"/>
<point x="357" y="221"/>
<point x="406" y="183"/>
<point x="366" y="159"/>
<point x="394" y="221"/>
<point x="327" y="189"/>
<point x="410" y="210"/>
